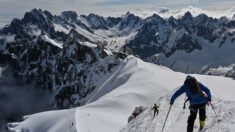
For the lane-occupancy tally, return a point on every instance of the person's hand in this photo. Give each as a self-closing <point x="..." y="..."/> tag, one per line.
<point x="172" y="102"/>
<point x="209" y="99"/>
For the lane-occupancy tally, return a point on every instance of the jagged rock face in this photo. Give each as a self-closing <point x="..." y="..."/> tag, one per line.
<point x="57" y="61"/>
<point x="231" y="24"/>
<point x="231" y="73"/>
<point x="185" y="43"/>
<point x="69" y="15"/>
<point x="71" y="72"/>
<point x="95" y="21"/>
<point x="228" y="71"/>
<point x="158" y="35"/>
<point x="113" y="21"/>
<point x="129" y="21"/>
<point x="39" y="18"/>
<point x="78" y="70"/>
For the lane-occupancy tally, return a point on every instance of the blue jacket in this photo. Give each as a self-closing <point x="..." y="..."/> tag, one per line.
<point x="194" y="99"/>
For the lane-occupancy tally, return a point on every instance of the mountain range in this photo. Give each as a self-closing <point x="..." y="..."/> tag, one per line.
<point x="67" y="53"/>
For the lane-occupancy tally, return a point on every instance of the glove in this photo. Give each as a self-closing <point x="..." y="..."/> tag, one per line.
<point x="172" y="102"/>
<point x="209" y="99"/>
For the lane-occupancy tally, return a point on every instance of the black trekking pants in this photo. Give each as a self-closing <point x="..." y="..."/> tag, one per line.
<point x="193" y="115"/>
<point x="155" y="111"/>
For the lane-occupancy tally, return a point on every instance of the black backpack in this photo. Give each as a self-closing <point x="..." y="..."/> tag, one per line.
<point x="193" y="85"/>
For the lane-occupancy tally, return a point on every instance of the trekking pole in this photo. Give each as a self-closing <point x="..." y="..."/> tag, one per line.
<point x="166" y="118"/>
<point x="214" y="110"/>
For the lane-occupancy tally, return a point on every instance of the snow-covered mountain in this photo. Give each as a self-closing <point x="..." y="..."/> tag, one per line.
<point x="158" y="39"/>
<point x="68" y="65"/>
<point x="70" y="73"/>
<point x="136" y="83"/>
<point x="187" y="42"/>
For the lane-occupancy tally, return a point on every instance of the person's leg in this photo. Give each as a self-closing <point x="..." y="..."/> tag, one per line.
<point x="202" y="114"/>
<point x="202" y="117"/>
<point x="191" y="119"/>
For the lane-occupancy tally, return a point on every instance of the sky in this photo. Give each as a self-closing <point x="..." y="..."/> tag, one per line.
<point x="16" y="8"/>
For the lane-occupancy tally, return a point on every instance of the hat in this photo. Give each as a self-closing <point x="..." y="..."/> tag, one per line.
<point x="189" y="77"/>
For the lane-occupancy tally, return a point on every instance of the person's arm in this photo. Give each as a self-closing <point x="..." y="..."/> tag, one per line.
<point x="206" y="90"/>
<point x="180" y="91"/>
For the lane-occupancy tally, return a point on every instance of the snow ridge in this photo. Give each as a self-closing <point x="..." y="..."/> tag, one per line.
<point x="138" y="83"/>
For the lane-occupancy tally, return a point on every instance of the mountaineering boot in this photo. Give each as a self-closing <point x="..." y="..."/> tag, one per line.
<point x="202" y="125"/>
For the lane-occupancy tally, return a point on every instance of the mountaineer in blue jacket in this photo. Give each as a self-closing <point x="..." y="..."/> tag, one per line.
<point x="198" y="96"/>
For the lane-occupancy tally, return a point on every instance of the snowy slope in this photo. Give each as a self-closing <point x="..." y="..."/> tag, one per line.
<point x="177" y="120"/>
<point x="52" y="121"/>
<point x="134" y="83"/>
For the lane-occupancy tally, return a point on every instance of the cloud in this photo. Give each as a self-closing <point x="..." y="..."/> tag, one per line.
<point x="17" y="8"/>
<point x="216" y="4"/>
<point x="122" y="2"/>
<point x="141" y="2"/>
<point x="17" y="100"/>
<point x="4" y="21"/>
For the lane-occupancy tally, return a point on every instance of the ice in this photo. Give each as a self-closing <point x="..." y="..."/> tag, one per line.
<point x="88" y="44"/>
<point x="46" y="38"/>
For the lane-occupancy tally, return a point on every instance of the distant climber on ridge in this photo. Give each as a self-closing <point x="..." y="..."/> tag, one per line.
<point x="155" y="109"/>
<point x="198" y="95"/>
